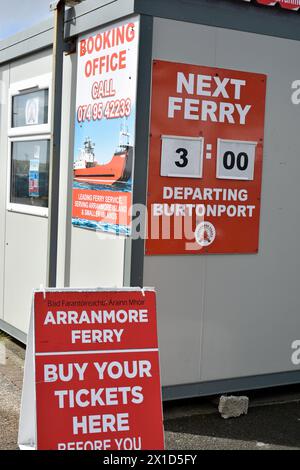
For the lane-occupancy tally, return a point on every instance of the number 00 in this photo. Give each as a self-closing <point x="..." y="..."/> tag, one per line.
<point x="230" y="161"/>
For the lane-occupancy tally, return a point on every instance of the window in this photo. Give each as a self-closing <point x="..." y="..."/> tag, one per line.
<point x="30" y="172"/>
<point x="30" y="109"/>
<point x="29" y="146"/>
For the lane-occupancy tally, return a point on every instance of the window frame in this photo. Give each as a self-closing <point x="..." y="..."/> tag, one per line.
<point x="24" y="208"/>
<point x="43" y="82"/>
<point x="28" y="133"/>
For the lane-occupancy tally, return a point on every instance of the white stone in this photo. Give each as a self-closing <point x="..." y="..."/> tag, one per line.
<point x="233" y="406"/>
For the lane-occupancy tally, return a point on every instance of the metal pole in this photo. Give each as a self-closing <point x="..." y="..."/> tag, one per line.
<point x="57" y="70"/>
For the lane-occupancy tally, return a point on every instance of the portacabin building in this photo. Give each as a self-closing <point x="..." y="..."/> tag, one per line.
<point x="190" y="110"/>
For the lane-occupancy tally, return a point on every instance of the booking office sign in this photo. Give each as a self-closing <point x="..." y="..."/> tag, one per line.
<point x="206" y="151"/>
<point x="105" y="128"/>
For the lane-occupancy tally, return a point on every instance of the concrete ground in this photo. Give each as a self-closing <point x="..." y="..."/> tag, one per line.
<point x="273" y="421"/>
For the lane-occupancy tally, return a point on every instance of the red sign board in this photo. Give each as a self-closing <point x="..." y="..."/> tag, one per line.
<point x="206" y="151"/>
<point x="288" y="4"/>
<point x="97" y="371"/>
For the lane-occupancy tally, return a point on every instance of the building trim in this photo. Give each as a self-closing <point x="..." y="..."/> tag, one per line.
<point x="28" y="42"/>
<point x="239" y="384"/>
<point x="140" y="177"/>
<point x="229" y="14"/>
<point x="14" y="332"/>
<point x="83" y="18"/>
<point x="201" y="389"/>
<point x="94" y="13"/>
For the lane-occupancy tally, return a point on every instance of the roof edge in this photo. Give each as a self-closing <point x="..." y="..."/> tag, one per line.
<point x="86" y="16"/>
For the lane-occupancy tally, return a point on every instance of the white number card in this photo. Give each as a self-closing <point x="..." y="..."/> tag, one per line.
<point x="182" y="156"/>
<point x="236" y="159"/>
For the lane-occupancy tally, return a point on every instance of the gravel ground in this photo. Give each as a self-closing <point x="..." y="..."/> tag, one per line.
<point x="275" y="427"/>
<point x="273" y="421"/>
<point x="11" y="376"/>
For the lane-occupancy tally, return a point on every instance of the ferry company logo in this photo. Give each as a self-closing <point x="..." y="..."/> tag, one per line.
<point x="205" y="233"/>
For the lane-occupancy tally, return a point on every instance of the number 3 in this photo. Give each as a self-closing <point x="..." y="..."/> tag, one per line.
<point x="183" y="158"/>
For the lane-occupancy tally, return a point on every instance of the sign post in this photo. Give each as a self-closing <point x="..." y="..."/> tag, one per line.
<point x="95" y="377"/>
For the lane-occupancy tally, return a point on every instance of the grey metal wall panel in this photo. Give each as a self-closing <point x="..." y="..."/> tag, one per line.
<point x="233" y="14"/>
<point x="93" y="13"/>
<point x="180" y="287"/>
<point x="255" y="382"/>
<point x="253" y="302"/>
<point x="180" y="280"/>
<point x="243" y="309"/>
<point x="22" y="36"/>
<point x="14" y="332"/>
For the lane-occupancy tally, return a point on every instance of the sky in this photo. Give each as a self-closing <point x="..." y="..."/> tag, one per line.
<point x="17" y="15"/>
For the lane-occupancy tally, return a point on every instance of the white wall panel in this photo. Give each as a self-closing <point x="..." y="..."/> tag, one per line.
<point x="97" y="260"/>
<point x="25" y="265"/>
<point x="4" y="84"/>
<point x="25" y="235"/>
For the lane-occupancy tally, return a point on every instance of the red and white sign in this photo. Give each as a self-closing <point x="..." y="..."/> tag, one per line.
<point x="288" y="4"/>
<point x="104" y="142"/>
<point x="206" y="151"/>
<point x="97" y="371"/>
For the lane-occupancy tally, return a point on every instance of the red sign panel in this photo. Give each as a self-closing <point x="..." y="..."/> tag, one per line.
<point x="97" y="371"/>
<point x="206" y="151"/>
<point x="288" y="4"/>
<point x="109" y="207"/>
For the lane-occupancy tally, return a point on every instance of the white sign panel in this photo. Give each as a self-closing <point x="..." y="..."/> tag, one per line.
<point x="182" y="157"/>
<point x="105" y="127"/>
<point x="236" y="159"/>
